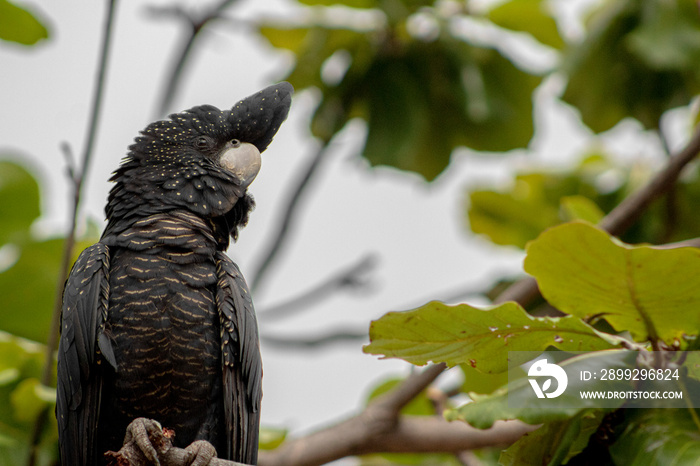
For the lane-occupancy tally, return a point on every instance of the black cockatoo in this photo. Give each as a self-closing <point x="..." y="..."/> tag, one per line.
<point x="157" y="321"/>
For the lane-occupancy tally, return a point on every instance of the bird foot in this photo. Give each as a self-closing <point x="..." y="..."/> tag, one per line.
<point x="139" y="431"/>
<point x="201" y="452"/>
<point x="146" y="441"/>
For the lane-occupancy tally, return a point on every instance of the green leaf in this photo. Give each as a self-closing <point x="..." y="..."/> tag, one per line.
<point x="668" y="36"/>
<point x="652" y="293"/>
<point x="658" y="436"/>
<point x="420" y="100"/>
<point x="19" y="25"/>
<point x="312" y="46"/>
<point x="529" y="16"/>
<point x="418" y="406"/>
<point x="400" y="120"/>
<point x="21" y="364"/>
<point x="481" y="338"/>
<point x="7" y="441"/>
<point x="28" y="400"/>
<point x="422" y="104"/>
<point x="539" y="200"/>
<point x="9" y="375"/>
<point x="517" y="399"/>
<point x="515" y="217"/>
<point x="30" y="284"/>
<point x="692" y="362"/>
<point x="499" y="101"/>
<point x="20" y="355"/>
<point x="554" y="443"/>
<point x="271" y="438"/>
<point x="480" y="382"/>
<point x="616" y="73"/>
<point x="19" y="200"/>
<point x="581" y="208"/>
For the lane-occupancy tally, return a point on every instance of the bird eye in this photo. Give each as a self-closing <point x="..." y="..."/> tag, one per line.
<point x="202" y="142"/>
<point x="235" y="142"/>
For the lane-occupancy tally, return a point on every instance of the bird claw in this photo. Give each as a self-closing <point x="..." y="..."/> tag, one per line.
<point x="138" y="431"/>
<point x="201" y="453"/>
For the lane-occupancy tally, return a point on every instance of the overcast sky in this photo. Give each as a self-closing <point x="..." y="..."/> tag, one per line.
<point x="416" y="229"/>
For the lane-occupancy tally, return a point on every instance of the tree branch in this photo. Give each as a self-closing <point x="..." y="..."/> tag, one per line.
<point x="280" y="237"/>
<point x="78" y="175"/>
<point x="381" y="428"/>
<point x="196" y="25"/>
<point x="378" y="428"/>
<point x="314" y="342"/>
<point x="627" y="212"/>
<point x="688" y="243"/>
<point x="408" y="389"/>
<point x="353" y="276"/>
<point x="375" y="430"/>
<point x="77" y="178"/>
<point x="366" y="433"/>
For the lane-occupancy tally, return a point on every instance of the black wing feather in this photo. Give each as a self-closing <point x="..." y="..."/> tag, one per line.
<point x="85" y="300"/>
<point x="241" y="361"/>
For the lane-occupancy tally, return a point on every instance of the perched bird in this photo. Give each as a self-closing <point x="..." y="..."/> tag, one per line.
<point x="157" y="321"/>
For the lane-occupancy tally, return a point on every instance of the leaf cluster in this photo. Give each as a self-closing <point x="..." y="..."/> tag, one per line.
<point x="422" y="89"/>
<point x="28" y="269"/>
<point x="638" y="60"/>
<point x="22" y="399"/>
<point x="613" y="295"/>
<point x="424" y="84"/>
<point x="539" y="199"/>
<point x="29" y="264"/>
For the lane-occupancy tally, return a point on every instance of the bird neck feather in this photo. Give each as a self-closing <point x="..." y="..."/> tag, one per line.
<point x="163" y="233"/>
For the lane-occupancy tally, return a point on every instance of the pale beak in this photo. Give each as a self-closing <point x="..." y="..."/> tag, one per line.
<point x="243" y="160"/>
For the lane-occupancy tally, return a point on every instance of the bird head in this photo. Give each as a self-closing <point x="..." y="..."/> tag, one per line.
<point x="201" y="160"/>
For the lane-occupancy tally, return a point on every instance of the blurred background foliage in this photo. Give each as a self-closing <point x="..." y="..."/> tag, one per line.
<point x="425" y="81"/>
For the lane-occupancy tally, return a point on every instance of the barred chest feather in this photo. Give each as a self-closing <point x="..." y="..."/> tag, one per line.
<point x="163" y="319"/>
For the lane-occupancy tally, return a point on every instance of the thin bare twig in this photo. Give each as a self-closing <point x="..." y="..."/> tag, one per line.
<point x="351" y="277"/>
<point x="688" y="243"/>
<point x="77" y="176"/>
<point x="195" y="26"/>
<point x="280" y="237"/>
<point x="310" y="343"/>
